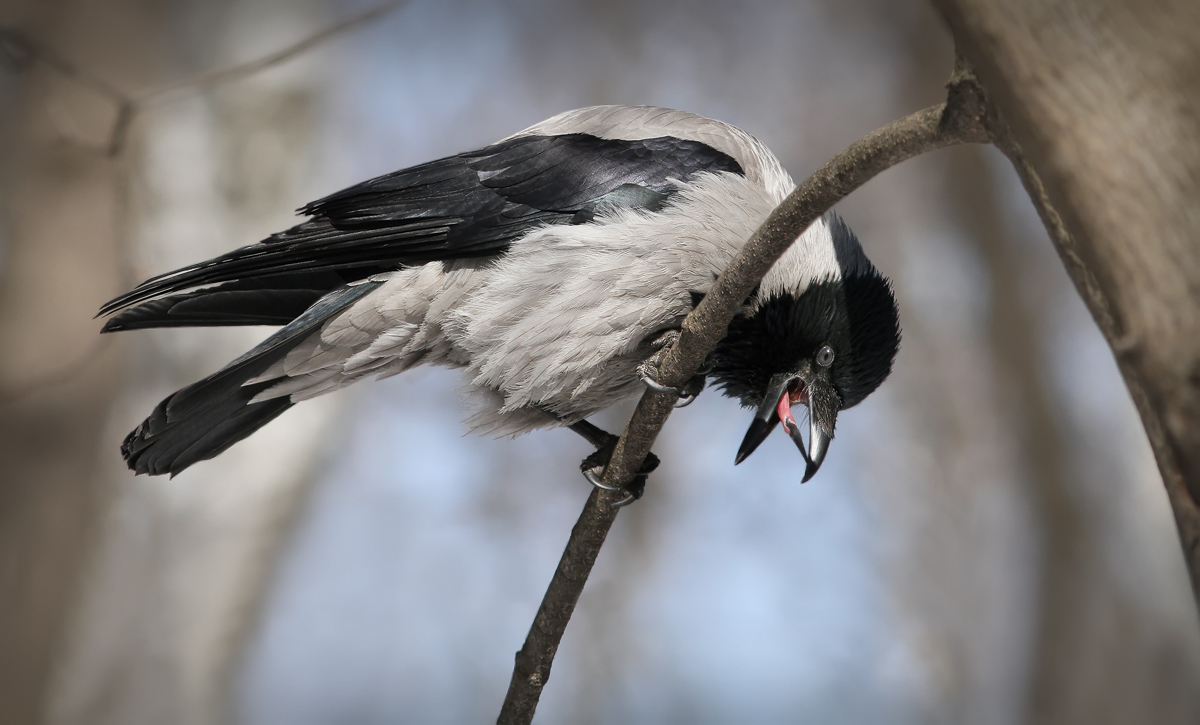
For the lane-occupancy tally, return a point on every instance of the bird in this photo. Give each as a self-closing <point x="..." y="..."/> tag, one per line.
<point x="552" y="267"/>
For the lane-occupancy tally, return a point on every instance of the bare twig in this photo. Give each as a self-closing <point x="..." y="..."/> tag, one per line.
<point x="222" y="76"/>
<point x="14" y="49"/>
<point x="21" y="50"/>
<point x="962" y="119"/>
<point x="64" y="374"/>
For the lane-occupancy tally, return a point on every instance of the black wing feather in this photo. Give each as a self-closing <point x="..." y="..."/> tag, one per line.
<point x="470" y="205"/>
<point x="203" y="419"/>
<point x="261" y="301"/>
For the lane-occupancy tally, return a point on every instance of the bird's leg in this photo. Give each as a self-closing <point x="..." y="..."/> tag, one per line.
<point x="593" y="466"/>
<point x="648" y="372"/>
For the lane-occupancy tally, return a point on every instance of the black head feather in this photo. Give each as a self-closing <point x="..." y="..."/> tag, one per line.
<point x="856" y="316"/>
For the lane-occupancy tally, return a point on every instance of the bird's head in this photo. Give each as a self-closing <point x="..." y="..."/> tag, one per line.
<point x="821" y="330"/>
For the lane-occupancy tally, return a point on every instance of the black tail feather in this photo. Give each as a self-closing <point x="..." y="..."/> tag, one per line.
<point x="166" y="443"/>
<point x="272" y="300"/>
<point x="208" y="416"/>
<point x="312" y="248"/>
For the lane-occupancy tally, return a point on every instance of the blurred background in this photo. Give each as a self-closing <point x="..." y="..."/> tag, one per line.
<point x="988" y="541"/>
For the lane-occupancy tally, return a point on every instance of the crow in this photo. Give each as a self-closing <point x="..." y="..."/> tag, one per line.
<point x="551" y="267"/>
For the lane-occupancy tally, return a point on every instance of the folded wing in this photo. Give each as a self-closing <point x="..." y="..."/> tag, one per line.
<point x="470" y="205"/>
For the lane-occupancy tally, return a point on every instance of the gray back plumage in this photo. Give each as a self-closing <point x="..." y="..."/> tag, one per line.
<point x="642" y="122"/>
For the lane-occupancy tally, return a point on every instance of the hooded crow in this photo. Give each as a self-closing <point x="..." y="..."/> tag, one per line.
<point x="550" y="267"/>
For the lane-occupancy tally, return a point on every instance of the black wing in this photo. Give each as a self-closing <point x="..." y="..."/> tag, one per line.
<point x="470" y="205"/>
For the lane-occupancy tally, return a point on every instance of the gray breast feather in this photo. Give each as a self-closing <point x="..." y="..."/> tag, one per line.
<point x="558" y="324"/>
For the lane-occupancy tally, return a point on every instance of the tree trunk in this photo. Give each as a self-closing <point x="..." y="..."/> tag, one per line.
<point x="61" y="252"/>
<point x="1101" y="97"/>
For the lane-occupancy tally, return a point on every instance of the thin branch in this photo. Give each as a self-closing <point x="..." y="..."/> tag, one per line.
<point x="21" y="50"/>
<point x="962" y="119"/>
<point x="80" y="364"/>
<point x="222" y="76"/>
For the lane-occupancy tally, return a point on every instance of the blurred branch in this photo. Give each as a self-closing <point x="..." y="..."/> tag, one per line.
<point x="222" y="76"/>
<point x="1066" y="596"/>
<point x="66" y="373"/>
<point x="21" y="51"/>
<point x="962" y="119"/>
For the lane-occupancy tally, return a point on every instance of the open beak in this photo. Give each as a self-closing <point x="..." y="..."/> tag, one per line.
<point x="782" y="392"/>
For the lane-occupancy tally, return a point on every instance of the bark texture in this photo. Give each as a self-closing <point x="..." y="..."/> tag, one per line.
<point x="59" y="246"/>
<point x="1100" y="98"/>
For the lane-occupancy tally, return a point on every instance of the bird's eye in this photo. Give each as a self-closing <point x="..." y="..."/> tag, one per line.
<point x="825" y="356"/>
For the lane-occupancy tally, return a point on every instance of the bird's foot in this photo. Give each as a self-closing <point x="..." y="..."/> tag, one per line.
<point x="648" y="372"/>
<point x="593" y="470"/>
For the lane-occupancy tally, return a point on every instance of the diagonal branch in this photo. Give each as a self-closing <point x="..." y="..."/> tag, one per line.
<point x="962" y="119"/>
<point x="20" y="50"/>
<point x="222" y="76"/>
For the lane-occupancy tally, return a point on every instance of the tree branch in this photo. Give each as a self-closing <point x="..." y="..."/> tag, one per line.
<point x="21" y="50"/>
<point x="83" y="362"/>
<point x="962" y="119"/>
<point x="222" y="76"/>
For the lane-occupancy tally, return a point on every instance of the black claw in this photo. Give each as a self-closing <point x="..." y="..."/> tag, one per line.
<point x="692" y="389"/>
<point x="593" y="469"/>
<point x="647" y="371"/>
<point x="595" y="476"/>
<point x="598" y="460"/>
<point x="633" y="492"/>
<point x="685" y="395"/>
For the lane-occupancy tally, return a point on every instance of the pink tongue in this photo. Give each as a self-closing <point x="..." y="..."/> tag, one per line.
<point x="784" y="409"/>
